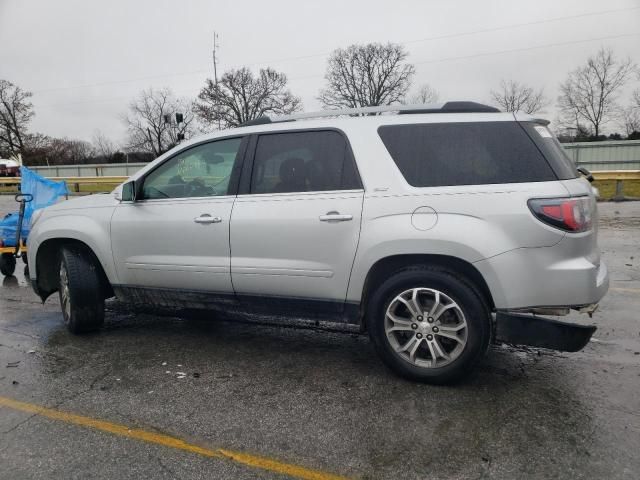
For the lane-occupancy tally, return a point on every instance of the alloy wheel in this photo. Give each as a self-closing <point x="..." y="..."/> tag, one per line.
<point x="426" y="327"/>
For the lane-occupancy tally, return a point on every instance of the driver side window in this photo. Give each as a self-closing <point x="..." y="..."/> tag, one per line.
<point x="201" y="171"/>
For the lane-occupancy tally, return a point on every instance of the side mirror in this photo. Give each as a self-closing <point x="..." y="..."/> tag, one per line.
<point x="586" y="173"/>
<point x="128" y="192"/>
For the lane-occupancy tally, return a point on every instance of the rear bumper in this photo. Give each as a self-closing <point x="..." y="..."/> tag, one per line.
<point x="542" y="332"/>
<point x="543" y="277"/>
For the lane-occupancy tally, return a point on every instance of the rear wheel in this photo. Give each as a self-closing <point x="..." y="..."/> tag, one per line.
<point x="429" y="324"/>
<point x="80" y="292"/>
<point x="7" y="264"/>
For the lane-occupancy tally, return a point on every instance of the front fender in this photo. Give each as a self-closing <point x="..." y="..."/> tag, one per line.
<point x="92" y="230"/>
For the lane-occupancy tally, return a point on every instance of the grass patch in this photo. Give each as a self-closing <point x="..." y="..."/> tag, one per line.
<point x="97" y="188"/>
<point x="607" y="188"/>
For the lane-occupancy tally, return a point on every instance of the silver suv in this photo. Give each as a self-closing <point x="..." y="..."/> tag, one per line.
<point x="436" y="228"/>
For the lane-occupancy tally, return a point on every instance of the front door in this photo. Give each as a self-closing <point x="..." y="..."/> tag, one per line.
<point x="177" y="235"/>
<point x="295" y="233"/>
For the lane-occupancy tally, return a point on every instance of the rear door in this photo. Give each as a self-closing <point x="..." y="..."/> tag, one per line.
<point x="295" y="230"/>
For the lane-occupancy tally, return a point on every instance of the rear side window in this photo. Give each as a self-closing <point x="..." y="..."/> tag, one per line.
<point x="552" y="149"/>
<point x="303" y="162"/>
<point x="474" y="153"/>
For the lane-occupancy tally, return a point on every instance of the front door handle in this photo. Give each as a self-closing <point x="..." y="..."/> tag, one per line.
<point x="206" y="218"/>
<point x="335" y="217"/>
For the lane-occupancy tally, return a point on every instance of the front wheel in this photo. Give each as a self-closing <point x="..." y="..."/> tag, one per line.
<point x="429" y="324"/>
<point x="80" y="292"/>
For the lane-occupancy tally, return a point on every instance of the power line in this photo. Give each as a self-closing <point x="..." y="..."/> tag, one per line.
<point x="524" y="49"/>
<point x="462" y="34"/>
<point x="434" y="60"/>
<point x="116" y="82"/>
<point x="518" y="25"/>
<point x="439" y="37"/>
<point x="500" y="52"/>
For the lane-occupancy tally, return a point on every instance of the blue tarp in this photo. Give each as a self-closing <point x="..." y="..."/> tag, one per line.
<point x="45" y="192"/>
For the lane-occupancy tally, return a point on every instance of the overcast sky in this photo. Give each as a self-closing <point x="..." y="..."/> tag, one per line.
<point x="85" y="60"/>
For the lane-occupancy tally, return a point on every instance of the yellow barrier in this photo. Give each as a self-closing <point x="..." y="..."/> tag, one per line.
<point x="619" y="176"/>
<point x="100" y="184"/>
<point x="106" y="184"/>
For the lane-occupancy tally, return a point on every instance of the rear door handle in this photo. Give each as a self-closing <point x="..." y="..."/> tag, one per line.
<point x="335" y="217"/>
<point x="206" y="218"/>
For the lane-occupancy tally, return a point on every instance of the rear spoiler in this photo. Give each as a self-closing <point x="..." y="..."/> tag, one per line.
<point x="525" y="117"/>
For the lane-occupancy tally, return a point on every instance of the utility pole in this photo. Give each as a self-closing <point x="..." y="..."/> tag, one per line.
<point x="215" y="65"/>
<point x="215" y="58"/>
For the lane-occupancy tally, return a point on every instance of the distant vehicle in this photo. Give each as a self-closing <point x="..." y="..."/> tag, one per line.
<point x="9" y="168"/>
<point x="436" y="230"/>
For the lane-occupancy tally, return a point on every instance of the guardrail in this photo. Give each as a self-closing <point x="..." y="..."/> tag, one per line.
<point x="106" y="184"/>
<point x="75" y="184"/>
<point x="97" y="170"/>
<point x="619" y="176"/>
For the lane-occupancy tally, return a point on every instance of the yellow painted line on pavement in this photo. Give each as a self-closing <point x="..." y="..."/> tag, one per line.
<point x="620" y="289"/>
<point x="247" y="459"/>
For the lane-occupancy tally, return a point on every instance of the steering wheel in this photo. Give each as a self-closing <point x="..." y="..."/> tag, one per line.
<point x="197" y="188"/>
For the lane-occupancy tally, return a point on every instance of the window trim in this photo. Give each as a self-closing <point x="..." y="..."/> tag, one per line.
<point x="235" y="171"/>
<point x="250" y="157"/>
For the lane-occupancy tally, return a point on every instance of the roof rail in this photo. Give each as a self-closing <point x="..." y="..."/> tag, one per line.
<point x="256" y="121"/>
<point x="448" y="107"/>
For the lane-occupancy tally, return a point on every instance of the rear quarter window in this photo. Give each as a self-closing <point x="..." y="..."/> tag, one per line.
<point x="553" y="151"/>
<point x="469" y="153"/>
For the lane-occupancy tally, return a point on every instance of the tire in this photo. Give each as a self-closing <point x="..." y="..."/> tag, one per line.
<point x="7" y="264"/>
<point x="80" y="292"/>
<point x="409" y="344"/>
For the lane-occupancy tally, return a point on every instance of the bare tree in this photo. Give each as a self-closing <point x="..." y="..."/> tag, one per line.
<point x="425" y="94"/>
<point x="630" y="119"/>
<point x="43" y="150"/>
<point x="36" y="146"/>
<point x="240" y="97"/>
<point x="517" y="97"/>
<point x="151" y="121"/>
<point x="367" y="75"/>
<point x="16" y="112"/>
<point x="589" y="92"/>
<point x="68" y="151"/>
<point x="103" y="146"/>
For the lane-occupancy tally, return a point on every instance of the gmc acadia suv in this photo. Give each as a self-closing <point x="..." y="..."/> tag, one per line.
<point x="435" y="229"/>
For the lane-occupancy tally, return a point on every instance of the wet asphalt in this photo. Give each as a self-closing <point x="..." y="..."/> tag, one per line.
<point x="318" y="398"/>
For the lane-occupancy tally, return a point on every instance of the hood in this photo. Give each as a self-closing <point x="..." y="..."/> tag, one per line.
<point x="87" y="201"/>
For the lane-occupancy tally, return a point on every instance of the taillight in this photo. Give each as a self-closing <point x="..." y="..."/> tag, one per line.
<point x="569" y="214"/>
